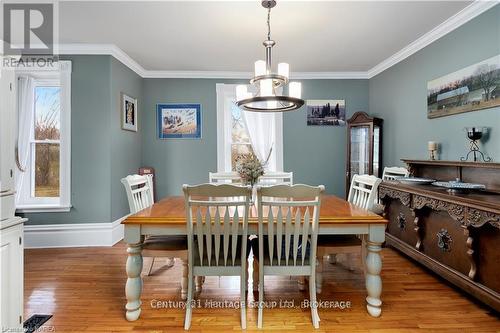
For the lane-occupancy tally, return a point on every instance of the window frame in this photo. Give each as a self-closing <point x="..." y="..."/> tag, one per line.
<point x="59" y="75"/>
<point x="224" y="122"/>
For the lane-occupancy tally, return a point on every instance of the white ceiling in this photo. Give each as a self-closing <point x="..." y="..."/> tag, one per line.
<point x="313" y="36"/>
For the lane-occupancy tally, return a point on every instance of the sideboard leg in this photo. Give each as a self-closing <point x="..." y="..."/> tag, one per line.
<point x="133" y="287"/>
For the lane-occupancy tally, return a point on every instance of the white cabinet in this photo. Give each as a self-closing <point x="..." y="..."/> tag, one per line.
<point x="11" y="275"/>
<point x="11" y="227"/>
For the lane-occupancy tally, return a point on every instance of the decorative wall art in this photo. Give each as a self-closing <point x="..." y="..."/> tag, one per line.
<point x="473" y="88"/>
<point x="326" y="112"/>
<point x="128" y="110"/>
<point x="179" y="121"/>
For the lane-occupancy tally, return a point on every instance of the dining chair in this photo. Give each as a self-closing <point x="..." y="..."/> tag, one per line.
<point x="139" y="191"/>
<point x="287" y="237"/>
<point x="391" y="173"/>
<point x="276" y="178"/>
<point x="217" y="230"/>
<point x="224" y="177"/>
<point x="363" y="193"/>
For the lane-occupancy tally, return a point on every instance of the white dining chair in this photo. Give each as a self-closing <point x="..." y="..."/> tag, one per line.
<point x="391" y="173"/>
<point x="363" y="193"/>
<point x="276" y="178"/>
<point x="287" y="236"/>
<point x="217" y="229"/>
<point x="224" y="178"/>
<point x="139" y="191"/>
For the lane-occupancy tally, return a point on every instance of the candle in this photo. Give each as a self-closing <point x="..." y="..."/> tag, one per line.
<point x="432" y="145"/>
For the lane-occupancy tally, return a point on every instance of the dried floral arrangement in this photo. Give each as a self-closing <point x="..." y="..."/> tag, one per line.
<point x="250" y="168"/>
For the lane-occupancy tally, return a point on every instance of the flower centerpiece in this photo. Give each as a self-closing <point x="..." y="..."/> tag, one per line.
<point x="249" y="168"/>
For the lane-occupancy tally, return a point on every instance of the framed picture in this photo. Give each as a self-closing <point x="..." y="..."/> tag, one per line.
<point x="326" y="112"/>
<point x="472" y="88"/>
<point x="129" y="113"/>
<point x="179" y="121"/>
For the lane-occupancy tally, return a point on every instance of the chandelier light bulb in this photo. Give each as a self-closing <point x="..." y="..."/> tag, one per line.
<point x="284" y="69"/>
<point x="260" y="68"/>
<point x="266" y="88"/>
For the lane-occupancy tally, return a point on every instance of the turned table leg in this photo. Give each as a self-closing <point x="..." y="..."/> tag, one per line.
<point x="133" y="287"/>
<point x="184" y="281"/>
<point x="373" y="268"/>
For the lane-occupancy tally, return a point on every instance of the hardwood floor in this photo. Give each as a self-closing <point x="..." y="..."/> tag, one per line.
<point x="84" y="289"/>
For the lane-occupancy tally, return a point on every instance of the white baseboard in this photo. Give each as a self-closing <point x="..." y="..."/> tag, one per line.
<point x="73" y="235"/>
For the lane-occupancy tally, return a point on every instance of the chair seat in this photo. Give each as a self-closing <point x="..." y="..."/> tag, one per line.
<point x="338" y="240"/>
<point x="165" y="243"/>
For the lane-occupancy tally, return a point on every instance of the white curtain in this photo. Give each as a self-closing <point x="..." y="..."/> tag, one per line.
<point x="261" y="129"/>
<point x="25" y="123"/>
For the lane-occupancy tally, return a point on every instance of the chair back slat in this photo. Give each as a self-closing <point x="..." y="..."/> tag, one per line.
<point x="270" y="234"/>
<point x="391" y="173"/>
<point x="305" y="233"/>
<point x="139" y="191"/>
<point x="363" y="192"/>
<point x="290" y="229"/>
<point x="215" y="233"/>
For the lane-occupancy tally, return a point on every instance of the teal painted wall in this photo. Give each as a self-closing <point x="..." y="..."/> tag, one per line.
<point x="125" y="150"/>
<point x="316" y="155"/>
<point x="398" y="95"/>
<point x="101" y="152"/>
<point x="90" y="144"/>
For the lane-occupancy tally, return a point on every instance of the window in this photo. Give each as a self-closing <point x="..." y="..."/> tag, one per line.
<point x="241" y="132"/>
<point x="240" y="139"/>
<point x="43" y="142"/>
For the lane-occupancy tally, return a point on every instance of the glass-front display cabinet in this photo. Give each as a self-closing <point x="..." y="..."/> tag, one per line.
<point x="364" y="146"/>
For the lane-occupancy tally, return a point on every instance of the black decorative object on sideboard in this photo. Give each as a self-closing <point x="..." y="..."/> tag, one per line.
<point x="454" y="234"/>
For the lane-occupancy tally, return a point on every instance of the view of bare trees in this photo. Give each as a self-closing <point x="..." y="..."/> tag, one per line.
<point x="47" y="136"/>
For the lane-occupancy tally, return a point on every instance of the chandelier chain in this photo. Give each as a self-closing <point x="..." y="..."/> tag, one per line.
<point x="269" y="23"/>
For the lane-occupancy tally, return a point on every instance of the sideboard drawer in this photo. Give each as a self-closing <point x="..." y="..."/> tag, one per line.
<point x="444" y="239"/>
<point x="401" y="222"/>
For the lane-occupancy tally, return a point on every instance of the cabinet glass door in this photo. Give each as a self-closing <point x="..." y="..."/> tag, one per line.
<point x="360" y="150"/>
<point x="376" y="151"/>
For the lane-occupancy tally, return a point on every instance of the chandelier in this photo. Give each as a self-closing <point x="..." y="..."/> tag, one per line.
<point x="268" y="83"/>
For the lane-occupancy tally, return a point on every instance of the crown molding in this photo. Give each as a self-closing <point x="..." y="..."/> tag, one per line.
<point x="103" y="49"/>
<point x="465" y="15"/>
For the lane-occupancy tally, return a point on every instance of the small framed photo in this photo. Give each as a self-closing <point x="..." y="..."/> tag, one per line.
<point x="129" y="113"/>
<point x="179" y="121"/>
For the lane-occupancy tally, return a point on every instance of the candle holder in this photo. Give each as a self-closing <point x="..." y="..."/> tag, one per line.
<point x="433" y="148"/>
<point x="474" y="134"/>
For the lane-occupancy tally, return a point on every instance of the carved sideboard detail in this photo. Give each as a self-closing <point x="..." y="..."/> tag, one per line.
<point x="477" y="218"/>
<point x="457" y="212"/>
<point x="416" y="219"/>
<point x="404" y="197"/>
<point x="470" y="253"/>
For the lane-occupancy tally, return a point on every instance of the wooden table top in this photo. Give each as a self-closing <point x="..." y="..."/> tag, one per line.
<point x="334" y="210"/>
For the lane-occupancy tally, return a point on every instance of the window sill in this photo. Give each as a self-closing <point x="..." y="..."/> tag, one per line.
<point x="43" y="209"/>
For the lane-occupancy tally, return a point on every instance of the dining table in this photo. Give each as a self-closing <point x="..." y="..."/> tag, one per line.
<point x="337" y="217"/>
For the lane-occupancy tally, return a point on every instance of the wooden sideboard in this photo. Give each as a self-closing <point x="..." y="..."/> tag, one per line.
<point x="455" y="235"/>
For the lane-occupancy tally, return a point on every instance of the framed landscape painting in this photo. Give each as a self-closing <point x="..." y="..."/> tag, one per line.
<point x="326" y="112"/>
<point x="473" y="88"/>
<point x="180" y="121"/>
